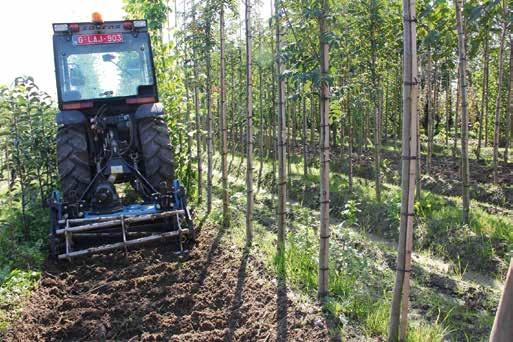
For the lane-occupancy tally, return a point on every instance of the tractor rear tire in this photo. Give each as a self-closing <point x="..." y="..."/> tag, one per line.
<point x="73" y="161"/>
<point x="157" y="153"/>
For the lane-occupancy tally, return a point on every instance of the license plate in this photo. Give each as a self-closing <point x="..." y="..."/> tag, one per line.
<point x="91" y="39"/>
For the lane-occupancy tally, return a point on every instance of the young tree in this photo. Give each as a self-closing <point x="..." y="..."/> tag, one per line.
<point x="510" y="102"/>
<point x="324" y="96"/>
<point x="499" y="94"/>
<point x="249" y="127"/>
<point x="458" y="4"/>
<point x="429" y="112"/>
<point x="197" y="107"/>
<point x="408" y="176"/>
<point x="222" y="119"/>
<point x="484" y="98"/>
<point x="282" y="131"/>
<point x="210" y="149"/>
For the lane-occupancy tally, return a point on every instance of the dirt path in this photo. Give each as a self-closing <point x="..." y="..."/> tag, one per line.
<point x="216" y="293"/>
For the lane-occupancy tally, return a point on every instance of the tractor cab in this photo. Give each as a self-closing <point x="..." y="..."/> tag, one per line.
<point x="99" y="63"/>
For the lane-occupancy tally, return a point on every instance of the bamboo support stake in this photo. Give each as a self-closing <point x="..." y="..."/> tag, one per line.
<point x="325" y="155"/>
<point x="249" y="127"/>
<point x="282" y="141"/>
<point x="464" y="116"/>
<point x="197" y="112"/>
<point x="499" y="97"/>
<point x="429" y="103"/>
<point x="222" y="119"/>
<point x="210" y="147"/>
<point x="408" y="178"/>
<point x="484" y="99"/>
<point x="510" y="102"/>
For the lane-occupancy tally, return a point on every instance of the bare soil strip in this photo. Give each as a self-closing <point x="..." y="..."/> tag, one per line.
<point x="216" y="293"/>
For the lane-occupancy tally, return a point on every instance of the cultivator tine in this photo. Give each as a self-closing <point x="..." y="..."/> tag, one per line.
<point x="123" y="231"/>
<point x="180" y="244"/>
<point x="121" y="245"/>
<point x="68" y="240"/>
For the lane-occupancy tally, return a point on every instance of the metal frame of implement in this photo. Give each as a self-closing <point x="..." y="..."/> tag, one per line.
<point x="134" y="225"/>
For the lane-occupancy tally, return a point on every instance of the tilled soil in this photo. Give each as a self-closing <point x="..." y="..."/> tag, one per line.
<point x="215" y="293"/>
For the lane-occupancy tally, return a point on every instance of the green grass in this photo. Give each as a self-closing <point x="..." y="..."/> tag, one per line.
<point x="20" y="257"/>
<point x="358" y="281"/>
<point x="14" y="289"/>
<point x="438" y="219"/>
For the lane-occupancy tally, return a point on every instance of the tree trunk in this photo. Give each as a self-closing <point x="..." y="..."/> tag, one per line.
<point x="210" y="149"/>
<point x="455" y="137"/>
<point x="222" y="110"/>
<point x="399" y="319"/>
<point x="312" y="116"/>
<point x="304" y="136"/>
<point x="187" y="114"/>
<point x="325" y="154"/>
<point x="510" y="103"/>
<point x="429" y="102"/>
<point x="498" y="99"/>
<point x="448" y="109"/>
<point x="249" y="126"/>
<point x="377" y="118"/>
<point x="282" y="139"/>
<point x="484" y="100"/>
<point x="261" y="124"/>
<point x="464" y="115"/>
<point x="385" y="112"/>
<point x="350" y="142"/>
<point x="197" y="114"/>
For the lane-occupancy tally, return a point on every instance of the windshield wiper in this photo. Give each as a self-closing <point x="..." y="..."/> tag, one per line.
<point x="106" y="93"/>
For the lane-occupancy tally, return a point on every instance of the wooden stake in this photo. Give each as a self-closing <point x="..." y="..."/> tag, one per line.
<point x="325" y="156"/>
<point x="464" y="116"/>
<point x="222" y="115"/>
<point x="408" y="177"/>
<point x="249" y="126"/>
<point x="282" y="141"/>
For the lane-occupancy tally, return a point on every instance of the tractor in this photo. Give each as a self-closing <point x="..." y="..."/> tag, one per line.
<point x="114" y="156"/>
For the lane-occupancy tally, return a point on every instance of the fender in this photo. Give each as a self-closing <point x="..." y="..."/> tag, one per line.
<point x="149" y="110"/>
<point x="70" y="117"/>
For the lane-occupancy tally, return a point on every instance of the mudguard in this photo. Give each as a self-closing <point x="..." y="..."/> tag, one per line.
<point x="149" y="110"/>
<point x="70" y="117"/>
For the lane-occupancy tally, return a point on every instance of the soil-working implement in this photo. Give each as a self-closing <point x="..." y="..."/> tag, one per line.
<point x="111" y="140"/>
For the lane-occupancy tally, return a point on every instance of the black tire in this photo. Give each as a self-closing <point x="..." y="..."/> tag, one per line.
<point x="157" y="153"/>
<point x="73" y="161"/>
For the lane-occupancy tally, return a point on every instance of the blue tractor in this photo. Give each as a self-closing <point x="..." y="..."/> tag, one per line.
<point x="115" y="160"/>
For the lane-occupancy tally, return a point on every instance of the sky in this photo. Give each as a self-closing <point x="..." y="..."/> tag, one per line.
<point x="28" y="46"/>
